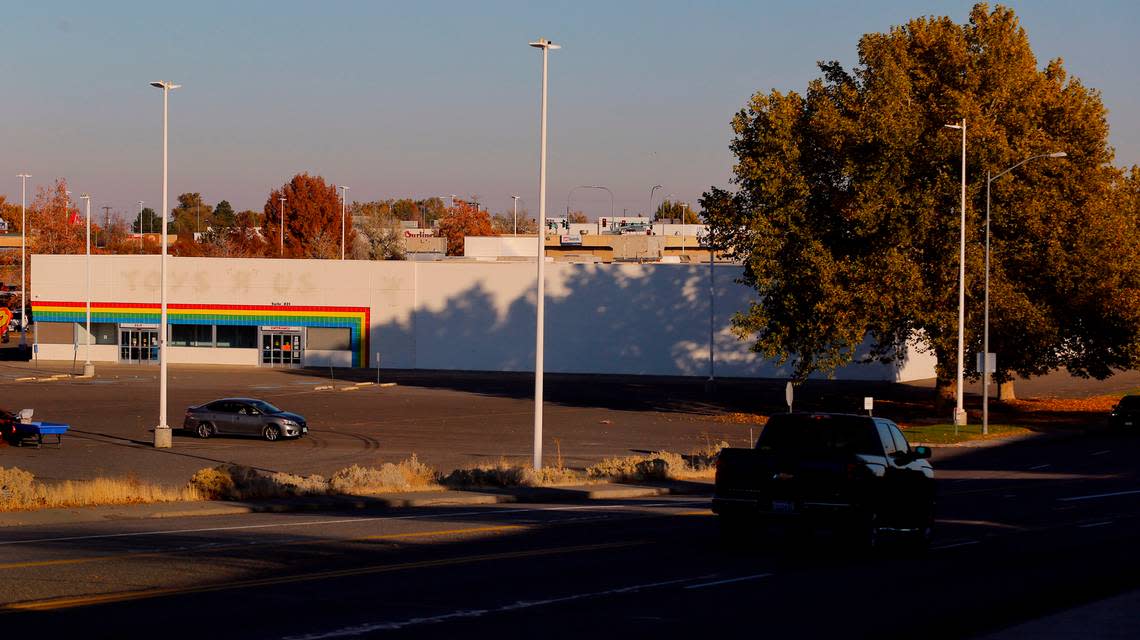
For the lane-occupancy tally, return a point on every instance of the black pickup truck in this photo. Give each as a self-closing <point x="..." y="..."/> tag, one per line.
<point x="853" y="474"/>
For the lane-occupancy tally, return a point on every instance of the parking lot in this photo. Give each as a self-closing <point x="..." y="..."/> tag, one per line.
<point x="448" y="420"/>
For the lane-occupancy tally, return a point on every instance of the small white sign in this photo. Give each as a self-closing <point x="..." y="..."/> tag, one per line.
<point x="282" y="328"/>
<point x="991" y="362"/>
<point x="788" y="395"/>
<point x="868" y="404"/>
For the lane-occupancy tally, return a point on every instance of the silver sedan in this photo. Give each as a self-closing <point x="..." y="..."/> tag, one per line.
<point x="243" y="416"/>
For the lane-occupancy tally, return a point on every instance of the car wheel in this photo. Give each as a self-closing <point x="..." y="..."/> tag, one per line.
<point x="205" y="430"/>
<point x="271" y="432"/>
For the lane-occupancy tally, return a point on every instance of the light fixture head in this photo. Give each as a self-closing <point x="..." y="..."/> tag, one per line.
<point x="1058" y="154"/>
<point x="543" y="43"/>
<point x="162" y="84"/>
<point x="952" y="126"/>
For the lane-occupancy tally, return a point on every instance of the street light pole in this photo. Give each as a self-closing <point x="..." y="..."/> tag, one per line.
<point x="516" y="224"/>
<point x="140" y="226"/>
<point x="23" y="259"/>
<point x="546" y="46"/>
<point x="959" y="410"/>
<point x="162" y="435"/>
<point x="649" y="212"/>
<point x="986" y="322"/>
<point x="684" y="206"/>
<point x="282" y="201"/>
<point x="589" y="186"/>
<point x="88" y="368"/>
<point x="343" y="195"/>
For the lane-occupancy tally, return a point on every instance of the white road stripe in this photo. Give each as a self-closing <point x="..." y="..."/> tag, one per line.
<point x="362" y="629"/>
<point x="956" y="544"/>
<point x="1099" y="495"/>
<point x="1094" y="524"/>
<point x="1040" y="466"/>
<point x="728" y="581"/>
<point x="1101" y="453"/>
<point x="434" y="516"/>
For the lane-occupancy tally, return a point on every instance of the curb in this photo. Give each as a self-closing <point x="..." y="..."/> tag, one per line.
<point x="48" y="517"/>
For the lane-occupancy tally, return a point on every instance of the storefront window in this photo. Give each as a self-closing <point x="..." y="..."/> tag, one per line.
<point x="237" y="337"/>
<point x="191" y="335"/>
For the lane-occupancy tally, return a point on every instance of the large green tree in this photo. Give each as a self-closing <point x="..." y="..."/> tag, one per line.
<point x="191" y="215"/>
<point x="147" y="221"/>
<point x="846" y="211"/>
<point x="674" y="209"/>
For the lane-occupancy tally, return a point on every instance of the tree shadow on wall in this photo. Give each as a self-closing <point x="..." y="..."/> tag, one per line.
<point x="610" y="332"/>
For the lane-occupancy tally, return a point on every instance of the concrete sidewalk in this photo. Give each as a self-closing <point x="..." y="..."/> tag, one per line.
<point x="582" y="493"/>
<point x="1108" y="619"/>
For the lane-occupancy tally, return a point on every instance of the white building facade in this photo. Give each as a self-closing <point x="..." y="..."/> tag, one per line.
<point x="647" y="319"/>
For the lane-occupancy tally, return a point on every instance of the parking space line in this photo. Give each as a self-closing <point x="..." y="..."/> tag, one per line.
<point x="757" y="576"/>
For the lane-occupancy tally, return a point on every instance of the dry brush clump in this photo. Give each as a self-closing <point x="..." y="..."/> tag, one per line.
<point x="239" y="482"/>
<point x="505" y="473"/>
<point x="407" y="475"/>
<point x="20" y="491"/>
<point x="659" y="465"/>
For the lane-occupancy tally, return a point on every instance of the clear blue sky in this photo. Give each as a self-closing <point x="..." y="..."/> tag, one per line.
<point x="426" y="98"/>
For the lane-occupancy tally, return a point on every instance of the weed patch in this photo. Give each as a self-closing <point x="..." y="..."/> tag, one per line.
<point x="20" y="491"/>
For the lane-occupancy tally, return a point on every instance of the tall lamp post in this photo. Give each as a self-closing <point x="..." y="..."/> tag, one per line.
<point x="546" y="46"/>
<point x="282" y="201"/>
<point x="140" y="226"/>
<point x="684" y="207"/>
<point x="516" y="206"/>
<point x="88" y="368"/>
<point x="162" y="436"/>
<point x="986" y="322"/>
<point x="23" y="258"/>
<point x="343" y="195"/>
<point x="959" y="410"/>
<point x="649" y="212"/>
<point x="589" y="186"/>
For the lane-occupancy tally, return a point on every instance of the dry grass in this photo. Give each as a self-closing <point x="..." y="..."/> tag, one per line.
<point x="505" y="473"/>
<point x="20" y="491"/>
<point x="408" y="475"/>
<point x="660" y="465"/>
<point x="238" y="482"/>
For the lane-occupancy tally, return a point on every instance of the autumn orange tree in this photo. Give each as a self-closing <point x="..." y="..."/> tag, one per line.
<point x="464" y="219"/>
<point x="846" y="209"/>
<point x="312" y="220"/>
<point x="52" y="226"/>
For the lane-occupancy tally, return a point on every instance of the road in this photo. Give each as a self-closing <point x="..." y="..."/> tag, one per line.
<point x="1025" y="529"/>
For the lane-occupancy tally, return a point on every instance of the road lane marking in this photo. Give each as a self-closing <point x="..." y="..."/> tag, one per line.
<point x="213" y="546"/>
<point x="52" y="604"/>
<point x="361" y="629"/>
<point x="980" y="523"/>
<point x="1099" y="495"/>
<point x="728" y="581"/>
<point x="1094" y="524"/>
<point x="435" y="516"/>
<point x="956" y="544"/>
<point x="1040" y="466"/>
<point x="1101" y="453"/>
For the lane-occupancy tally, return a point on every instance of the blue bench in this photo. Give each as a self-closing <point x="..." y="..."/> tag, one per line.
<point x="37" y="430"/>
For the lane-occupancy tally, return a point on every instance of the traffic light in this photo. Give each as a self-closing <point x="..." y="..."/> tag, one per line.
<point x="565" y="224"/>
<point x="603" y="222"/>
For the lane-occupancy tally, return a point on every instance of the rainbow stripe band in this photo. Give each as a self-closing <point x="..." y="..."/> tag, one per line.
<point x="355" y="319"/>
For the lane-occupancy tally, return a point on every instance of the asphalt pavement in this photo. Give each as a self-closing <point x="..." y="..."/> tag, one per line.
<point x="1026" y="530"/>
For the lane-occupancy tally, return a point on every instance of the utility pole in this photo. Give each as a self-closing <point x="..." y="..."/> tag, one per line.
<point x="106" y="223"/>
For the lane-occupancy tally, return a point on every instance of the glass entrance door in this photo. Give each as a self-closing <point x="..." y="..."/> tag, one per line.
<point x="281" y="349"/>
<point x="139" y="346"/>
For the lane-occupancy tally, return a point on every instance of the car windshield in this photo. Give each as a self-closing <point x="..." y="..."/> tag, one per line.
<point x="815" y="434"/>
<point x="264" y="406"/>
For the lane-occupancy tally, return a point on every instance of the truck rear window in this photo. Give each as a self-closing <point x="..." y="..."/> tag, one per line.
<point x="818" y="434"/>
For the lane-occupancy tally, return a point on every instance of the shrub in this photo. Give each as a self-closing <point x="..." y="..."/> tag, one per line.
<point x="20" y="490"/>
<point x="239" y="482"/>
<point x="408" y="475"/>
